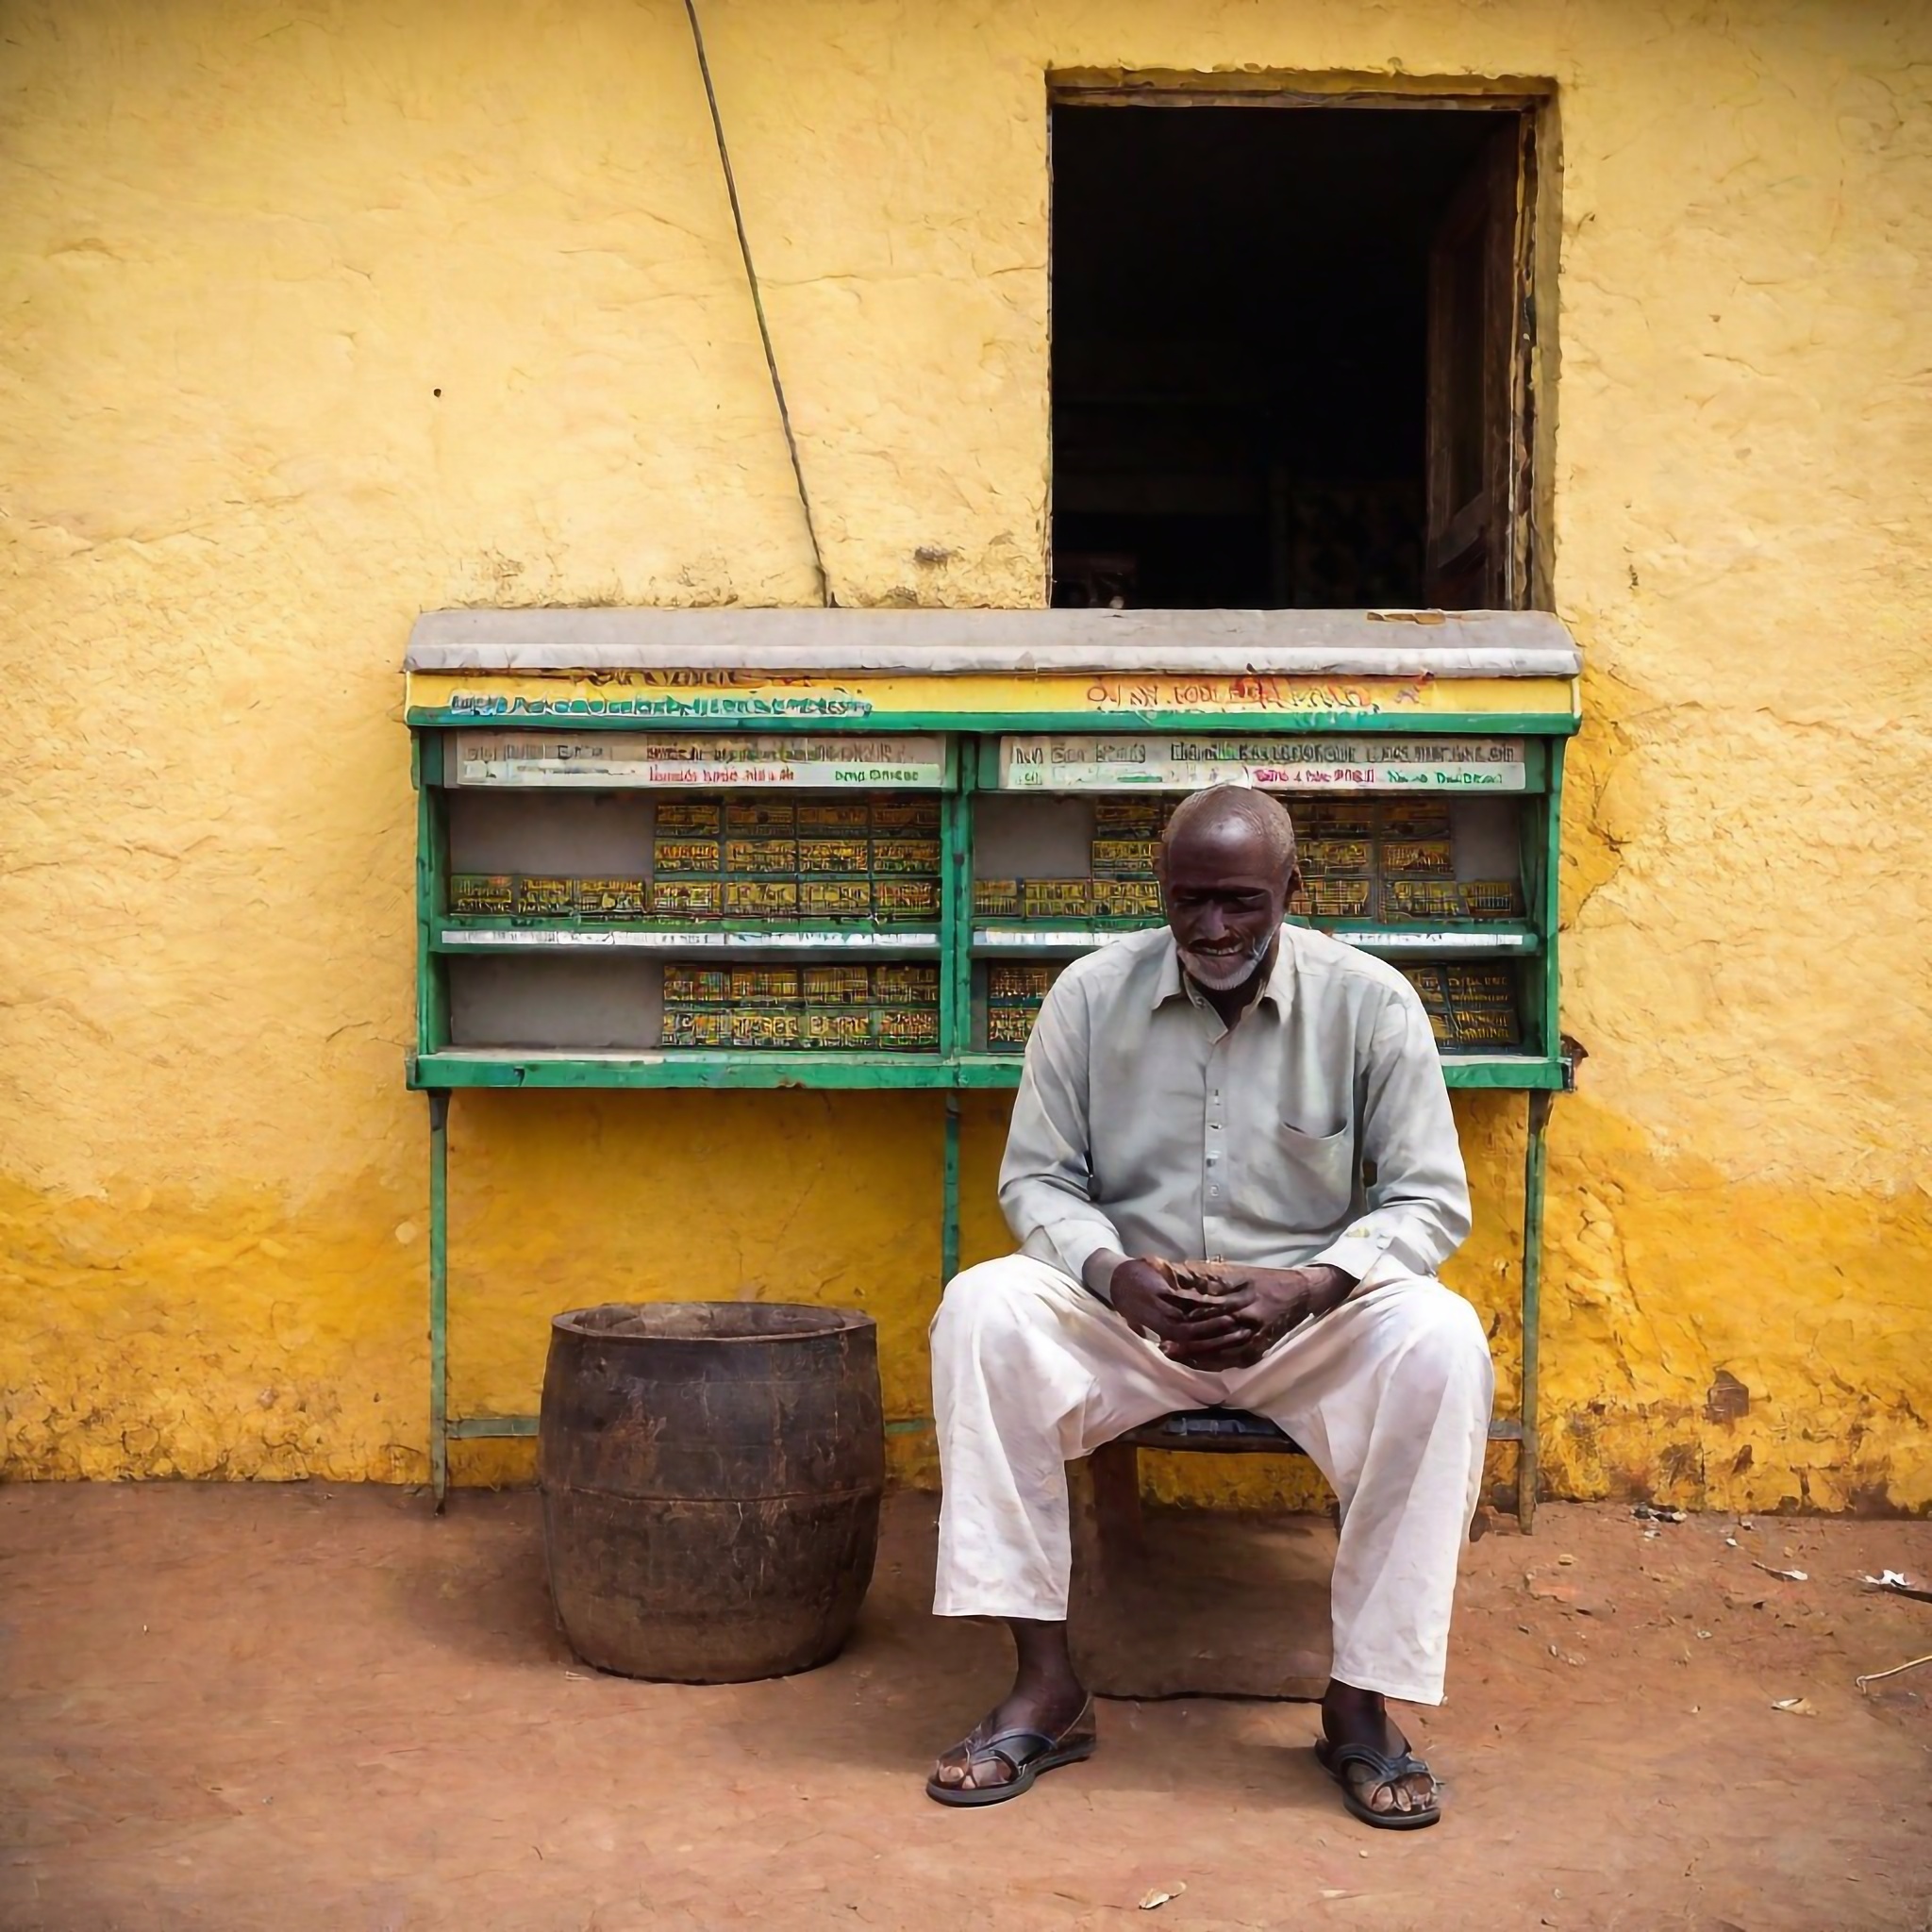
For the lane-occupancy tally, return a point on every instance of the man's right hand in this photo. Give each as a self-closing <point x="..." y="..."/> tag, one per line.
<point x="1145" y="1296"/>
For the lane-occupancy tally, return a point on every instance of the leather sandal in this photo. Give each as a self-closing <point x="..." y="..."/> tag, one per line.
<point x="1024" y="1752"/>
<point x="1383" y="1770"/>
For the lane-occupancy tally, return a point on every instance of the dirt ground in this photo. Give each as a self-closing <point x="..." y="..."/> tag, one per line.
<point x="238" y="1708"/>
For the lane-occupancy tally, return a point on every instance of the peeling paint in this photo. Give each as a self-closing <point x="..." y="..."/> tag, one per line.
<point x="321" y="321"/>
<point x="1728" y="1399"/>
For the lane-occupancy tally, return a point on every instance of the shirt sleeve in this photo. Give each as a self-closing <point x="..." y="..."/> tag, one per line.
<point x="1046" y="1177"/>
<point x="1417" y="1209"/>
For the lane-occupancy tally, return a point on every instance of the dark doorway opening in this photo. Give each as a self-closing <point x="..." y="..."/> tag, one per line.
<point x="1290" y="356"/>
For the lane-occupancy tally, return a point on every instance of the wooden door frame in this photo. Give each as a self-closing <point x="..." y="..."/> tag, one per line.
<point x="1531" y="420"/>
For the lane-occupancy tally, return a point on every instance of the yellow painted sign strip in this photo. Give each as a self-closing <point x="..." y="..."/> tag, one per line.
<point x="750" y="696"/>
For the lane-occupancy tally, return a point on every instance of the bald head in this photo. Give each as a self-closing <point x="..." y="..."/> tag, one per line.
<point x="1226" y="816"/>
<point x="1227" y="869"/>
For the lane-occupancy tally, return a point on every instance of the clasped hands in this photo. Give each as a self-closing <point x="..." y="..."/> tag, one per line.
<point x="1208" y="1315"/>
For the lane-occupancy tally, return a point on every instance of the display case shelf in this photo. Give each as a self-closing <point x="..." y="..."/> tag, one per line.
<point x="1464" y="940"/>
<point x="672" y="1067"/>
<point x="529" y="1067"/>
<point x="507" y="936"/>
<point x="1490" y="1072"/>
<point x="1508" y="1072"/>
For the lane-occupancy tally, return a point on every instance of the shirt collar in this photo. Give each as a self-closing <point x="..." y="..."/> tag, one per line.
<point x="1171" y="983"/>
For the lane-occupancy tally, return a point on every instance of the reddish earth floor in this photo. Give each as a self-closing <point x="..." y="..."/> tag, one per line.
<point x="286" y="1708"/>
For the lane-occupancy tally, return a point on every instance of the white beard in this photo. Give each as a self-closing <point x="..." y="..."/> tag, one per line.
<point x="1222" y="972"/>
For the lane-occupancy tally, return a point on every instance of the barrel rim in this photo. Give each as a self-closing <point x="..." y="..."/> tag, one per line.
<point x="832" y="1321"/>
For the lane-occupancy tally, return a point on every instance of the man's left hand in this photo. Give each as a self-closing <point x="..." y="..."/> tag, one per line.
<point x="1254" y="1307"/>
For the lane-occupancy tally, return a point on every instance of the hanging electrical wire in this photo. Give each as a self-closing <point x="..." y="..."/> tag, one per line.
<point x="758" y="303"/>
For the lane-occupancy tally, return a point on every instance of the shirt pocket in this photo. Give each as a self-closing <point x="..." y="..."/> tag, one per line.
<point x="1321" y="1173"/>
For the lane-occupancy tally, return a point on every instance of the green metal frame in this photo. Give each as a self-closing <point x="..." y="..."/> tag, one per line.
<point x="439" y="1069"/>
<point x="983" y="723"/>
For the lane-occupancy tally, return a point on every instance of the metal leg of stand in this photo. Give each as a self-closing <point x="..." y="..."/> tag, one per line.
<point x="439" y="1296"/>
<point x="1535" y="1162"/>
<point x="949" y="1224"/>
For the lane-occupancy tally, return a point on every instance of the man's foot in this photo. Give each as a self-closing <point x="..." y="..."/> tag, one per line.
<point x="1383" y="1780"/>
<point x="1029" y="1732"/>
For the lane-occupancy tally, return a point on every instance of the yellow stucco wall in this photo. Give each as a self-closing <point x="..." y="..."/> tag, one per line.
<point x="318" y="313"/>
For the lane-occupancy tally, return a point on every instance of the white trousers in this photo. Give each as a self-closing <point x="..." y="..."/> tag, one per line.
<point x="1389" y="1394"/>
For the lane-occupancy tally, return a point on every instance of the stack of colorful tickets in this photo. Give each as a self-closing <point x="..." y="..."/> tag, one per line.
<point x="765" y="858"/>
<point x="891" y="1007"/>
<point x="1014" y="992"/>
<point x="1472" y="1006"/>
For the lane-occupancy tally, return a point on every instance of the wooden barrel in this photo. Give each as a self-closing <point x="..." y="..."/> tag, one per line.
<point x="711" y="1474"/>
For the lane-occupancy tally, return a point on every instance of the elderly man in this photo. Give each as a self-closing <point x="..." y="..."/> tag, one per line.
<point x="1232" y="1172"/>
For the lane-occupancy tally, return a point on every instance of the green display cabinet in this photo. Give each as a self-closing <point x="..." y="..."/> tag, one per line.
<point x="850" y="849"/>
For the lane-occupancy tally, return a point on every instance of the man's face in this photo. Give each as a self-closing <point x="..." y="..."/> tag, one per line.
<point x="1225" y="899"/>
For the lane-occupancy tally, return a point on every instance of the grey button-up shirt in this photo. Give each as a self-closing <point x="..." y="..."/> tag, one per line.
<point x="1145" y="1126"/>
